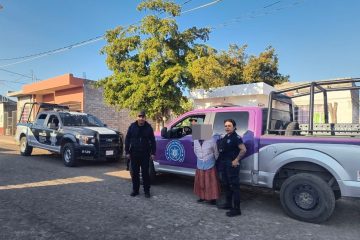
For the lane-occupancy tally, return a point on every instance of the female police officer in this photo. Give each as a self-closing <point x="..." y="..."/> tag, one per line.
<point x="231" y="151"/>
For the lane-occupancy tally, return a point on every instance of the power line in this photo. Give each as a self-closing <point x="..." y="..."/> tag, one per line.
<point x="272" y="4"/>
<point x="202" y="6"/>
<point x="85" y="42"/>
<point x="258" y="13"/>
<point x="9" y="81"/>
<point x="91" y="40"/>
<point x="15" y="73"/>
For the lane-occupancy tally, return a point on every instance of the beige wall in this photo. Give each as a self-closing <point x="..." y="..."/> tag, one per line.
<point x="347" y="105"/>
<point x="20" y="104"/>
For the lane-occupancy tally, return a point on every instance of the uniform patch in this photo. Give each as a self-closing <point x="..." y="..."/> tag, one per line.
<point x="175" y="151"/>
<point x="228" y="141"/>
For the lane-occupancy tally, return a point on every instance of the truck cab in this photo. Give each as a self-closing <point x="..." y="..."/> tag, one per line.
<point x="175" y="152"/>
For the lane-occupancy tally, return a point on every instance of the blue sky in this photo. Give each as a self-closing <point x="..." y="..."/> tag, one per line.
<point x="314" y="39"/>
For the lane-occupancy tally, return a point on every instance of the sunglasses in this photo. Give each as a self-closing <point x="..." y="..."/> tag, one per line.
<point x="141" y="116"/>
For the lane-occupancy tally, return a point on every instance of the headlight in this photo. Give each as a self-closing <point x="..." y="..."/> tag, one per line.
<point x="85" y="140"/>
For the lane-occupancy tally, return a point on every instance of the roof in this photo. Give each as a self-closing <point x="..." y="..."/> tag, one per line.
<point x="234" y="90"/>
<point x="50" y="85"/>
<point x="4" y="99"/>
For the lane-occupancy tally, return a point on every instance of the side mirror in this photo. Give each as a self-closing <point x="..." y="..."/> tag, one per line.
<point x="164" y="132"/>
<point x="105" y="125"/>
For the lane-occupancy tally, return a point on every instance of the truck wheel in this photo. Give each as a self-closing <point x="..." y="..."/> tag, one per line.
<point x="25" y="149"/>
<point x="307" y="197"/>
<point x="68" y="155"/>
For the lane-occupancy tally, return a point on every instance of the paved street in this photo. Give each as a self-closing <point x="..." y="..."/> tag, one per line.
<point x="42" y="199"/>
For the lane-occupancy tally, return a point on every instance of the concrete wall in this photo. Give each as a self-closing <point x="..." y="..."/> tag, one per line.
<point x="251" y="100"/>
<point x="253" y="94"/>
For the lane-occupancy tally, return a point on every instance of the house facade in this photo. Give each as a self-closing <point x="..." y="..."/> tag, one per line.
<point x="78" y="94"/>
<point x="7" y="115"/>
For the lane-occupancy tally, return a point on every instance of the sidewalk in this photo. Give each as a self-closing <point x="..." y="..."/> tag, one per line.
<point x="7" y="140"/>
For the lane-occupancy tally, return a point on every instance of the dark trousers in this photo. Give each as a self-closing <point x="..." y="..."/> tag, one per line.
<point x="230" y="182"/>
<point x="140" y="161"/>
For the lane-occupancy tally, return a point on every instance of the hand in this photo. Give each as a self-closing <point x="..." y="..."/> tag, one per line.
<point x="152" y="157"/>
<point x="127" y="156"/>
<point x="235" y="163"/>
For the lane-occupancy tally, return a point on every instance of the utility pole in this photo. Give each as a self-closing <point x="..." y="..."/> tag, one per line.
<point x="32" y="76"/>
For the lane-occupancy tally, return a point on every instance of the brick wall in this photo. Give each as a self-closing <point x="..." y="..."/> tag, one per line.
<point x="94" y="104"/>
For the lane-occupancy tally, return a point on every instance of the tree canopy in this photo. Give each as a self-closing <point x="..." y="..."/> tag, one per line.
<point x="154" y="62"/>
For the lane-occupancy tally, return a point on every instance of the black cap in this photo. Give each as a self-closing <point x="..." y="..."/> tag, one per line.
<point x="142" y="113"/>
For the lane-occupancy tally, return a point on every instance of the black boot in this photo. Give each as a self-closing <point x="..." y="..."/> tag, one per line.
<point x="234" y="212"/>
<point x="134" y="193"/>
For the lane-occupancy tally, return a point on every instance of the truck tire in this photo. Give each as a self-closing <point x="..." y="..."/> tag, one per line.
<point x="307" y="197"/>
<point x="25" y="149"/>
<point x="68" y="155"/>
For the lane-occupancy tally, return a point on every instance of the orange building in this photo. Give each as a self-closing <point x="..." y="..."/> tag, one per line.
<point x="77" y="93"/>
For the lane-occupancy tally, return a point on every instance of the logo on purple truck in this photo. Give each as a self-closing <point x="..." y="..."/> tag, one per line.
<point x="175" y="151"/>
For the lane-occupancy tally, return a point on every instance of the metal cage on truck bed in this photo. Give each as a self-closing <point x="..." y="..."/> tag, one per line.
<point x="284" y="121"/>
<point x="39" y="105"/>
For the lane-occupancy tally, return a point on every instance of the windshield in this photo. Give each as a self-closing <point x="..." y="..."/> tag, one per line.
<point x="69" y="119"/>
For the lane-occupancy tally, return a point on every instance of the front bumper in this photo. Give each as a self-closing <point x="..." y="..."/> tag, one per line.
<point x="350" y="188"/>
<point x="91" y="152"/>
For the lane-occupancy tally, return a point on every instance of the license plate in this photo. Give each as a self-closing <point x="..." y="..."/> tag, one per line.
<point x="109" y="152"/>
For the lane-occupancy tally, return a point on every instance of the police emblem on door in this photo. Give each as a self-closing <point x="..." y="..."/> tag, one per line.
<point x="175" y="151"/>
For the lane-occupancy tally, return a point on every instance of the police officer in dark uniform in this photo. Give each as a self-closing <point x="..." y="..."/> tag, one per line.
<point x="231" y="151"/>
<point x="140" y="147"/>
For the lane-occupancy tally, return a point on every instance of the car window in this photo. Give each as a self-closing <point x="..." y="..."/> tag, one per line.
<point x="190" y="120"/>
<point x="69" y="119"/>
<point x="183" y="127"/>
<point x="41" y="119"/>
<point x="241" y="119"/>
<point x="95" y="121"/>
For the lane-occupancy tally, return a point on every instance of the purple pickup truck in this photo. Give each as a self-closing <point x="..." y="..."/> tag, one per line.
<point x="310" y="164"/>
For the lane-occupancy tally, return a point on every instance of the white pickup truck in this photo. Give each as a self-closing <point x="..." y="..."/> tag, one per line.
<point x="74" y="135"/>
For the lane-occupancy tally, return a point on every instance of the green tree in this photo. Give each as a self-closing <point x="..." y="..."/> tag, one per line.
<point x="264" y="68"/>
<point x="232" y="67"/>
<point x="150" y="62"/>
